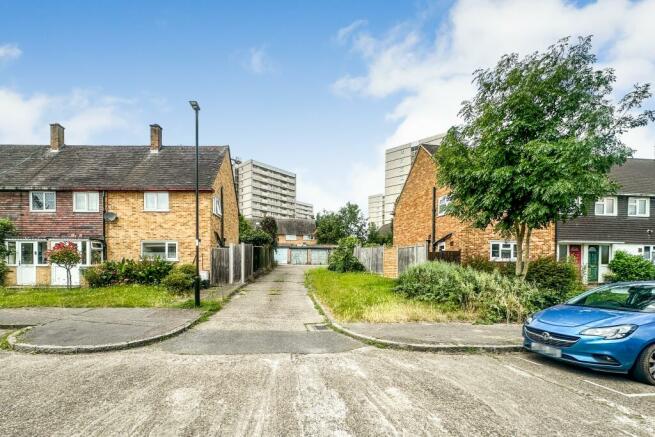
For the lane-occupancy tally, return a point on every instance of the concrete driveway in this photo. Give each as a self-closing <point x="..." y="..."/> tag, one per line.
<point x="344" y="389"/>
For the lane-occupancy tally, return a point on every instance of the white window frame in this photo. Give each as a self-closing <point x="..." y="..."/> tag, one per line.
<point x="44" y="193"/>
<point x="603" y="202"/>
<point x="441" y="247"/>
<point x="289" y="237"/>
<point x="635" y="201"/>
<point x="442" y="203"/>
<point x="217" y="208"/>
<point x="157" y="208"/>
<point x="86" y="196"/>
<point x="15" y="263"/>
<point x="307" y="237"/>
<point x="499" y="258"/>
<point x="166" y="243"/>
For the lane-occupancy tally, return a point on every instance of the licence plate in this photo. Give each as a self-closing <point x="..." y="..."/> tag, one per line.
<point x="546" y="350"/>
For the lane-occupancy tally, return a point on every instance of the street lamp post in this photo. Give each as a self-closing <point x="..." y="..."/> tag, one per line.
<point x="196" y="108"/>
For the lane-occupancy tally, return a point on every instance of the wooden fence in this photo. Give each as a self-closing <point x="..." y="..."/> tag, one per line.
<point x="232" y="264"/>
<point x="411" y="255"/>
<point x="372" y="258"/>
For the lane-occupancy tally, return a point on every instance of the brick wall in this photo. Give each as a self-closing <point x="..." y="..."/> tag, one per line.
<point x="225" y="179"/>
<point x="63" y="223"/>
<point x="412" y="222"/>
<point x="390" y="262"/>
<point x="299" y="241"/>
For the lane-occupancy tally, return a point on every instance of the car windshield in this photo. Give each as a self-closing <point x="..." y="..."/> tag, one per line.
<point x="626" y="297"/>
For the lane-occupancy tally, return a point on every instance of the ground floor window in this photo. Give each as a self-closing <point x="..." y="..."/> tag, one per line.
<point x="166" y="250"/>
<point x="503" y="251"/>
<point x="648" y="252"/>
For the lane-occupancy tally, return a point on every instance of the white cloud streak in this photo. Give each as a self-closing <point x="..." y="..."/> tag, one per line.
<point x="9" y="52"/>
<point x="258" y="61"/>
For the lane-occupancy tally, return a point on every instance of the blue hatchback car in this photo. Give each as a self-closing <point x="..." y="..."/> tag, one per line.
<point x="609" y="328"/>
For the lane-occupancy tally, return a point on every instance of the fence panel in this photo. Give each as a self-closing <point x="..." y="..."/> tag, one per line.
<point x="411" y="255"/>
<point x="247" y="261"/>
<point x="451" y="256"/>
<point x="371" y="257"/>
<point x="236" y="263"/>
<point x="220" y="266"/>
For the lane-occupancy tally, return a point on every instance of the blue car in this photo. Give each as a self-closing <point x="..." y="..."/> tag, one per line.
<point x="609" y="328"/>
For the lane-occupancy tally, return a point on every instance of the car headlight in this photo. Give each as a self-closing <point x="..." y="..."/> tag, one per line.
<point x="611" y="332"/>
<point x="529" y="319"/>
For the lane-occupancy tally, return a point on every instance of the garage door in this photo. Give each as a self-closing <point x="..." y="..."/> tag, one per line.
<point x="282" y="255"/>
<point x="299" y="256"/>
<point x="319" y="256"/>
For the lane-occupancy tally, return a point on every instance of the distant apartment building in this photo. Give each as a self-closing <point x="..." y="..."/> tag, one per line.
<point x="304" y="210"/>
<point x="397" y="163"/>
<point x="264" y="190"/>
<point x="376" y="210"/>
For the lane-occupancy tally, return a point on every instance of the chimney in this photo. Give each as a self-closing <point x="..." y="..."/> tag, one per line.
<point x="155" y="138"/>
<point x="56" y="137"/>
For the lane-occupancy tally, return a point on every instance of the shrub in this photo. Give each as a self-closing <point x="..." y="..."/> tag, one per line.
<point x="187" y="269"/>
<point x="626" y="267"/>
<point x="556" y="281"/>
<point x="494" y="296"/>
<point x="127" y="271"/>
<point x="178" y="281"/>
<point x="481" y="264"/>
<point x="3" y="271"/>
<point x="342" y="258"/>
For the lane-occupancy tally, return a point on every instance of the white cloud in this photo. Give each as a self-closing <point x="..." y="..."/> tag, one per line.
<point x="86" y="114"/>
<point x="258" y="61"/>
<point x="430" y="69"/>
<point x="9" y="52"/>
<point x="346" y="31"/>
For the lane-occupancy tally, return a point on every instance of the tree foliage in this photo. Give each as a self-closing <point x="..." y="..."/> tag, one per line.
<point x="333" y="226"/>
<point x="7" y="229"/>
<point x="375" y="237"/>
<point x="269" y="225"/>
<point x="250" y="235"/>
<point x="537" y="142"/>
<point x="66" y="255"/>
<point x="342" y="259"/>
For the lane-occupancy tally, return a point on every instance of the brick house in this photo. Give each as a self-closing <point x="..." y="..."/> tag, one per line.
<point x="624" y="222"/>
<point x="419" y="218"/>
<point x="114" y="202"/>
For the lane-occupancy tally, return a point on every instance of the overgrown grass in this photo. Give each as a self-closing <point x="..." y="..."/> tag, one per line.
<point x="363" y="297"/>
<point x="125" y="296"/>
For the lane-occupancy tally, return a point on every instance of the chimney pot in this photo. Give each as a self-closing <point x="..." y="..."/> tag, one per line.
<point x="56" y="137"/>
<point x="155" y="138"/>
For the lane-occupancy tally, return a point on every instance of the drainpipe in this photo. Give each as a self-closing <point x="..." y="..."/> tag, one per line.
<point x="222" y="219"/>
<point x="434" y="216"/>
<point x="104" y="238"/>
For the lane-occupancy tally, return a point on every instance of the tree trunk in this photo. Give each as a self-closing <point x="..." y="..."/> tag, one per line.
<point x="526" y="253"/>
<point x="68" y="278"/>
<point x="520" y="232"/>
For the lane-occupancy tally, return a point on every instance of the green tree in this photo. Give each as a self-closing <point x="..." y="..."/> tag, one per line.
<point x="538" y="141"/>
<point x="269" y="225"/>
<point x="374" y="236"/>
<point x="7" y="229"/>
<point x="65" y="255"/>
<point x="251" y="235"/>
<point x="353" y="221"/>
<point x="329" y="228"/>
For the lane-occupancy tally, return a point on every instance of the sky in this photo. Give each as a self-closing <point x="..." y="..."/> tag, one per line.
<point x="319" y="88"/>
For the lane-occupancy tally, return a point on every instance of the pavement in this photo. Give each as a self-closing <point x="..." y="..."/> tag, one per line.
<point x="344" y="389"/>
<point x="68" y="330"/>
<point x="446" y="335"/>
<point x="271" y="315"/>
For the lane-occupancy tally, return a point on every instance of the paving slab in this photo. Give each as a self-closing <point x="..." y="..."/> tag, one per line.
<point x="274" y="314"/>
<point x="58" y="330"/>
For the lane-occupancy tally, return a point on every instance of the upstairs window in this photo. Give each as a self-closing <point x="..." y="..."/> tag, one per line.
<point x="503" y="251"/>
<point x="638" y="207"/>
<point x="606" y="206"/>
<point x="155" y="201"/>
<point x="443" y="205"/>
<point x="217" y="208"/>
<point x="307" y="237"/>
<point x="43" y="201"/>
<point x="291" y="237"/>
<point x="86" y="202"/>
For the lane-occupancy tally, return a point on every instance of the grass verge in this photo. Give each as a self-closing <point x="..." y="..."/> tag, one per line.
<point x="363" y="297"/>
<point x="120" y="296"/>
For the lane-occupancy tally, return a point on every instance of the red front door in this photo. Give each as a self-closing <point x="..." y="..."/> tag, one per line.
<point x="575" y="252"/>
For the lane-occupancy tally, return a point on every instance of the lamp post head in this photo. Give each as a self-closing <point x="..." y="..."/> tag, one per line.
<point x="194" y="105"/>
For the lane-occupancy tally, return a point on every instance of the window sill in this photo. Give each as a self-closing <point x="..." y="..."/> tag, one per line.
<point x="50" y="211"/>
<point x="156" y="210"/>
<point x="85" y="212"/>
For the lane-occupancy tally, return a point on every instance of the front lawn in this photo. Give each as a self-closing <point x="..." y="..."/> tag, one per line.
<point x="125" y="296"/>
<point x="363" y="297"/>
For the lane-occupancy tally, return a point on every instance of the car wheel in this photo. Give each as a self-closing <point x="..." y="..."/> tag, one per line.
<point x="644" y="368"/>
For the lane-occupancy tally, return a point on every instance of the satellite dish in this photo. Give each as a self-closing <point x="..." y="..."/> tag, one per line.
<point x="110" y="216"/>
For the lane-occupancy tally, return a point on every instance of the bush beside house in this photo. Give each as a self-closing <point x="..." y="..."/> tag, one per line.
<point x="127" y="271"/>
<point x="342" y="258"/>
<point x="626" y="267"/>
